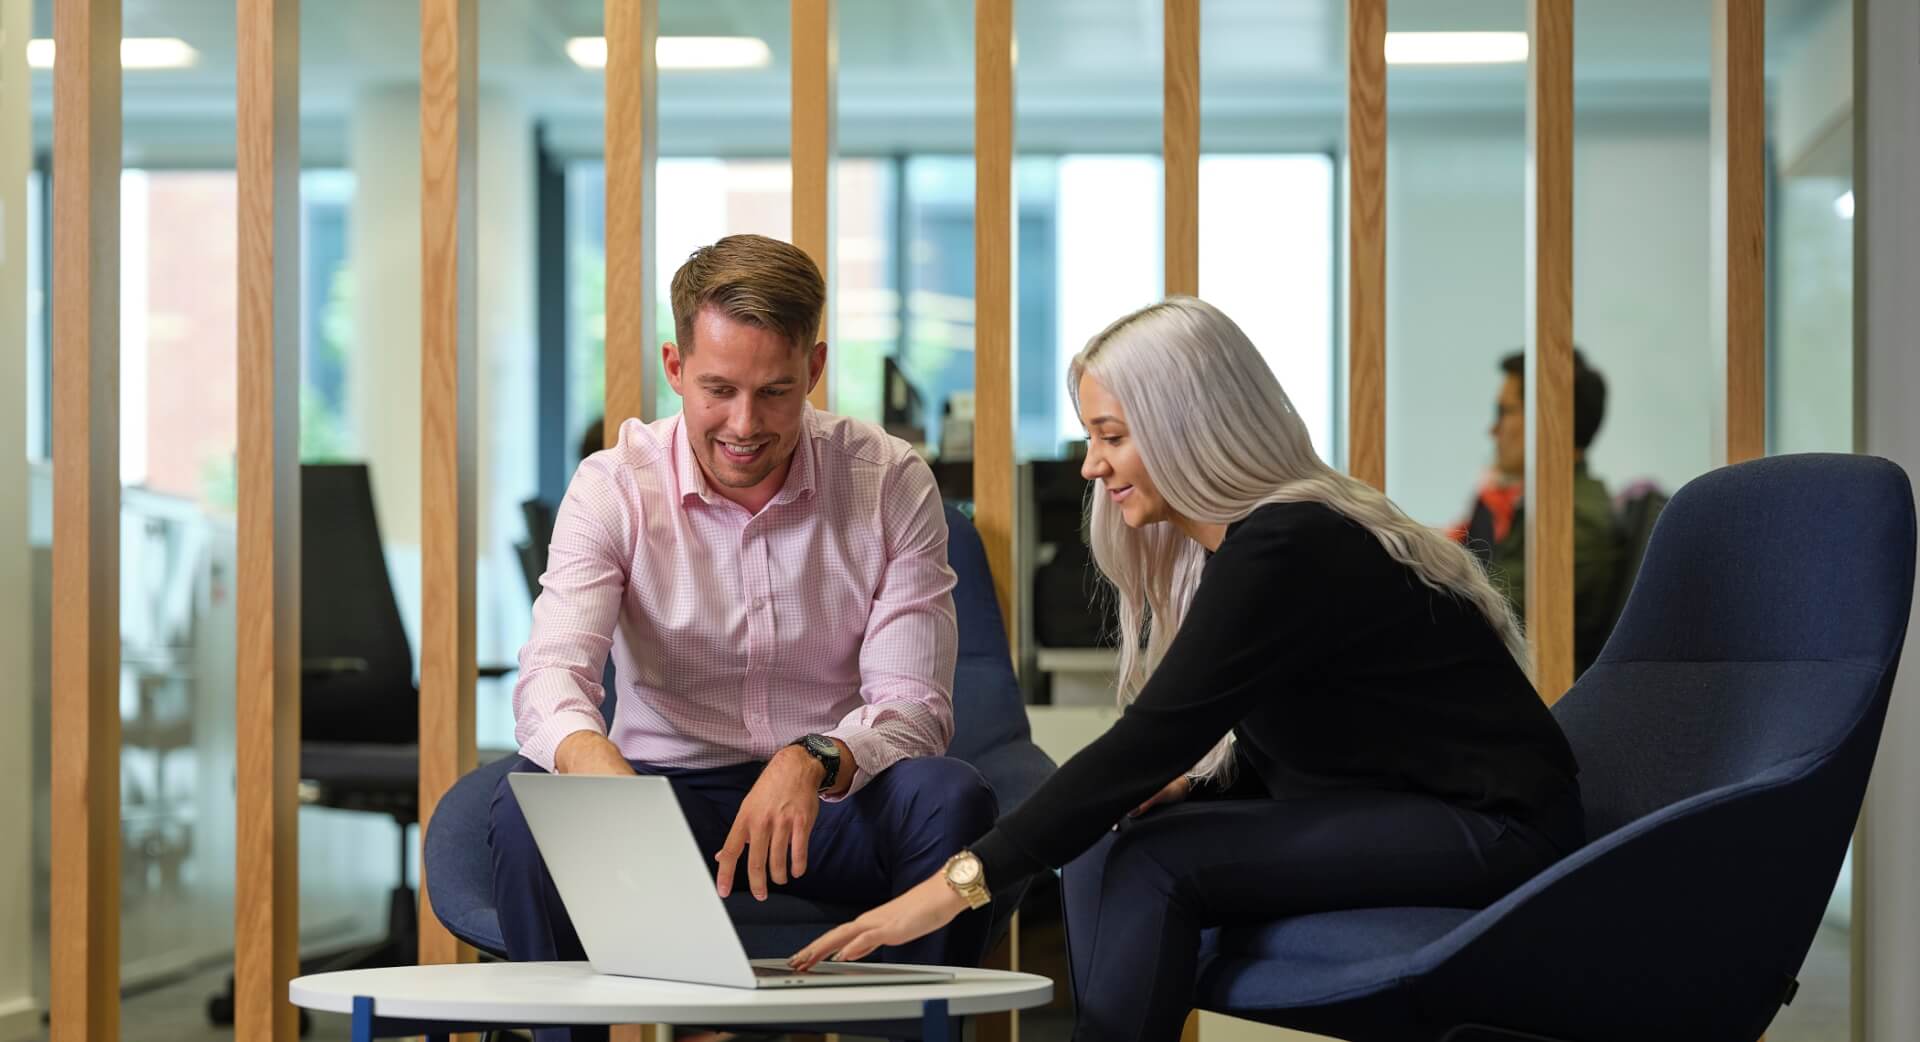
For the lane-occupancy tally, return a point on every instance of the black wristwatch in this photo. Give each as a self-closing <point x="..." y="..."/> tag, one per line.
<point x="824" y="749"/>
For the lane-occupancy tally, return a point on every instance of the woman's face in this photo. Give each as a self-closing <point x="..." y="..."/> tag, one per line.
<point x="1113" y="458"/>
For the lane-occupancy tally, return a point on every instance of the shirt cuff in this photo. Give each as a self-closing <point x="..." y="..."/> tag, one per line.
<point x="872" y="753"/>
<point x="545" y="740"/>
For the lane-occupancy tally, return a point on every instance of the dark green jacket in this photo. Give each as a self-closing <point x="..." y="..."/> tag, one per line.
<point x="1597" y="560"/>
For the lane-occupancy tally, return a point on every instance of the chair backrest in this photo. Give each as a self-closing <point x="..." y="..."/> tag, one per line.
<point x="1764" y="626"/>
<point x="348" y="611"/>
<point x="987" y="708"/>
<point x="1638" y="510"/>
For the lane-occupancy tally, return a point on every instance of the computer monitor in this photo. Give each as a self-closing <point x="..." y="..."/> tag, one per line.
<point x="901" y="411"/>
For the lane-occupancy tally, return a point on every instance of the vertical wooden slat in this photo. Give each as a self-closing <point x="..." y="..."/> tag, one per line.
<point x="1549" y="370"/>
<point x="85" y="970"/>
<point x="1180" y="144"/>
<point x="814" y="72"/>
<point x="1739" y="222"/>
<point x="632" y="125"/>
<point x="1001" y="1027"/>
<point x="632" y="27"/>
<point x="1367" y="241"/>
<point x="267" y="677"/>
<point x="448" y="119"/>
<point x="993" y="244"/>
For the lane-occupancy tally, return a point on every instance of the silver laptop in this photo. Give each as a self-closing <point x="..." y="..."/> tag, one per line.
<point x="636" y="886"/>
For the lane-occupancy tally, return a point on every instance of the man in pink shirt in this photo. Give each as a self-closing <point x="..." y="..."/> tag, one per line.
<point x="772" y="584"/>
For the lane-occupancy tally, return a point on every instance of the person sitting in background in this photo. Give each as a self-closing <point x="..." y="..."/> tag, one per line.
<point x="772" y="583"/>
<point x="1496" y="530"/>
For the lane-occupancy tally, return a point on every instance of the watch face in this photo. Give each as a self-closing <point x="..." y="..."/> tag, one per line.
<point x="964" y="872"/>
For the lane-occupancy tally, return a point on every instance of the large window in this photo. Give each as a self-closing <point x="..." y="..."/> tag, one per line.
<point x="1089" y="250"/>
<point x="699" y="201"/>
<point x="178" y="322"/>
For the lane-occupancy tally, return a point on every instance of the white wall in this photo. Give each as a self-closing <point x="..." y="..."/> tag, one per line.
<point x="1886" y="314"/>
<point x="384" y="360"/>
<point x="1456" y="238"/>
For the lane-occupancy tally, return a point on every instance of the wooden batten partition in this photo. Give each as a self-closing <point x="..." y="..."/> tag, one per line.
<point x="448" y="121"/>
<point x="632" y="74"/>
<point x="993" y="245"/>
<point x="1739" y="220"/>
<point x="1367" y="241"/>
<point x="266" y="928"/>
<point x="632" y="129"/>
<point x="1180" y="145"/>
<point x="1549" y="368"/>
<point x="85" y="959"/>
<point x="814" y="122"/>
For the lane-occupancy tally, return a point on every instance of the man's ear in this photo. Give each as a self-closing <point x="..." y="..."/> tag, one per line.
<point x="675" y="365"/>
<point x="816" y="364"/>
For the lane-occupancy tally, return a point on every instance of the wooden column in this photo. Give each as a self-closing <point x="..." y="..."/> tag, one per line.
<point x="814" y="120"/>
<point x="633" y="27"/>
<point x="85" y="963"/>
<point x="1367" y="241"/>
<point x="1549" y="370"/>
<point x="1180" y="145"/>
<point x="1739" y="250"/>
<point x="632" y="125"/>
<point x="993" y="316"/>
<point x="448" y="60"/>
<point x="266" y="927"/>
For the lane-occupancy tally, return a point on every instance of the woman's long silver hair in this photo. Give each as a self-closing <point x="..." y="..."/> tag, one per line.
<point x="1219" y="438"/>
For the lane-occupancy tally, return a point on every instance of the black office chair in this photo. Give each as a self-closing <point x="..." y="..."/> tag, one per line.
<point x="359" y="704"/>
<point x="533" y="553"/>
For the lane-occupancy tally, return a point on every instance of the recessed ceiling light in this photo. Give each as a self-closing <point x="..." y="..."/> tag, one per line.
<point x="136" y="52"/>
<point x="1456" y="48"/>
<point x="1843" y="206"/>
<point x="682" y="53"/>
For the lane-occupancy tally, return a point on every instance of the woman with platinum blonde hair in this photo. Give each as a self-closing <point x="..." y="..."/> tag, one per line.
<point x="1325" y="703"/>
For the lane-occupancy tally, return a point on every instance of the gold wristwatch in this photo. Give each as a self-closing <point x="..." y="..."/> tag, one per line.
<point x="968" y="878"/>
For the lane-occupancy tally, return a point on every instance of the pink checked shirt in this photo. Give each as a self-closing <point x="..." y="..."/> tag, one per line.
<point x="828" y="612"/>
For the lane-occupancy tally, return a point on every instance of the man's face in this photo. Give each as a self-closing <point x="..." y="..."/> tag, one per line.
<point x="1510" y="430"/>
<point x="744" y="391"/>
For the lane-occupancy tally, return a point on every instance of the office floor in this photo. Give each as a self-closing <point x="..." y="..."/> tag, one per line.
<point x="177" y="1012"/>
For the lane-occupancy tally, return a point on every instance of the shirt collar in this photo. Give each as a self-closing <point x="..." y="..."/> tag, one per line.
<point x="800" y="477"/>
<point x="691" y="479"/>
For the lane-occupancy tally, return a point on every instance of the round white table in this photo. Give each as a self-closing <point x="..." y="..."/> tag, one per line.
<point x="438" y="1001"/>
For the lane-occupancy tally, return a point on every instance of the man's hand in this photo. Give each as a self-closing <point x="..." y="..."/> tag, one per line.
<point x="775" y="821"/>
<point x="589" y="752"/>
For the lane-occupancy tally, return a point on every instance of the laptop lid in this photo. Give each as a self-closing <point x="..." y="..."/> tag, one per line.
<point x="632" y="877"/>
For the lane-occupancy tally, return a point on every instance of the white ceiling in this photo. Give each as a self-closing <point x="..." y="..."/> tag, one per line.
<point x="1088" y="69"/>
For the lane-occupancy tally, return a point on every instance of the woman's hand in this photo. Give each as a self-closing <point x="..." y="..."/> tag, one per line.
<point x="909" y="917"/>
<point x="1175" y="791"/>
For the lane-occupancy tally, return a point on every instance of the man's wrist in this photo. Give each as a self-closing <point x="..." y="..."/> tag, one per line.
<point x="811" y="769"/>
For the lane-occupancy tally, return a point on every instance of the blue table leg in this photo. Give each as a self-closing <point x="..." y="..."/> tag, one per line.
<point x="362" y="1019"/>
<point x="934" y="1026"/>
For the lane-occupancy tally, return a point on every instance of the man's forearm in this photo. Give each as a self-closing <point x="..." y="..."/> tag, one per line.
<point x="589" y="752"/>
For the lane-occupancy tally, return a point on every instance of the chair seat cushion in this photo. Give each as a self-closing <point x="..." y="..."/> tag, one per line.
<point x="1320" y="958"/>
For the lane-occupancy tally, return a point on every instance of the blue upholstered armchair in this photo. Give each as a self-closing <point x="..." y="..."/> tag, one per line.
<point x="1725" y="736"/>
<point x="990" y="732"/>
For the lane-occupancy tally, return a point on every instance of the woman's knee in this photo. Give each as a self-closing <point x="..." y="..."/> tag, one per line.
<point x="1135" y="857"/>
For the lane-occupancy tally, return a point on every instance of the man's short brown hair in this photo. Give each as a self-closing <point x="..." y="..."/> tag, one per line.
<point x="753" y="279"/>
